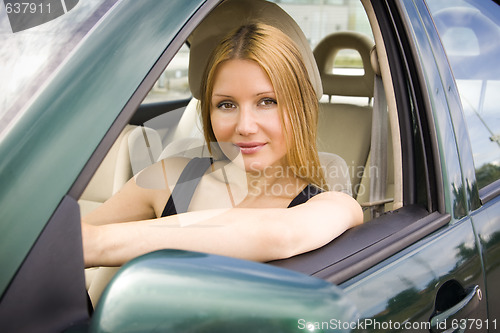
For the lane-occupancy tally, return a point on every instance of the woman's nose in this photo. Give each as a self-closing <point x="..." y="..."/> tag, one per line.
<point x="247" y="122"/>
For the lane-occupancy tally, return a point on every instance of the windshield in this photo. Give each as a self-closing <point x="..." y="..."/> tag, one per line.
<point x="29" y="57"/>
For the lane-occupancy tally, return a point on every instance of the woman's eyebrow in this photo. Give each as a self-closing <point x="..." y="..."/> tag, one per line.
<point x="229" y="96"/>
<point x="265" y="93"/>
<point x="221" y="95"/>
<point x="257" y="94"/>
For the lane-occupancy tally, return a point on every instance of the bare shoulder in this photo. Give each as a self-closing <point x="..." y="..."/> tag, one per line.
<point x="343" y="204"/>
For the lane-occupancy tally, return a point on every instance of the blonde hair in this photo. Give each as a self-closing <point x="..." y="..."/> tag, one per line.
<point x="280" y="58"/>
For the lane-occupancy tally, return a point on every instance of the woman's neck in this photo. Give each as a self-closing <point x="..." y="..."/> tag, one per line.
<point x="272" y="186"/>
<point x="278" y="180"/>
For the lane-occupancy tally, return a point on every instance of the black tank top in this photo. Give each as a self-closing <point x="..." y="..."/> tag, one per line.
<point x="191" y="176"/>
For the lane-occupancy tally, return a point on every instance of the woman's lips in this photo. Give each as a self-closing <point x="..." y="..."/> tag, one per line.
<point x="250" y="147"/>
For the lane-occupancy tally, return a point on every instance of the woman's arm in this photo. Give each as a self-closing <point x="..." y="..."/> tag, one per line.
<point x="142" y="197"/>
<point x="254" y="234"/>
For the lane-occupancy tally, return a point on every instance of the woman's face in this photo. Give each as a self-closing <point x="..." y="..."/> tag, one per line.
<point x="245" y="115"/>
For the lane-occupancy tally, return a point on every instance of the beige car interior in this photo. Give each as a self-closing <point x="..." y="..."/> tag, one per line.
<point x="345" y="129"/>
<point x="351" y="129"/>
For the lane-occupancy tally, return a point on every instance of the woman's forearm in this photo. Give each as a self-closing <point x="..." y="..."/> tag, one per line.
<point x="246" y="233"/>
<point x="240" y="233"/>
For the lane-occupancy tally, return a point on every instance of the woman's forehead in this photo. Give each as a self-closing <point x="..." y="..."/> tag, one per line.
<point x="238" y="76"/>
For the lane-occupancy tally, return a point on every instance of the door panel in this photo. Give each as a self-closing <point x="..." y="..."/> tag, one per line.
<point x="40" y="298"/>
<point x="442" y="271"/>
<point x="404" y="288"/>
<point x="487" y="224"/>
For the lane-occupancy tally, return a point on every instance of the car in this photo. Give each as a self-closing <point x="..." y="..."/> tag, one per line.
<point x="99" y="90"/>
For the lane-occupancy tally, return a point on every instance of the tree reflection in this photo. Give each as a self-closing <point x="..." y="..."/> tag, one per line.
<point x="487" y="174"/>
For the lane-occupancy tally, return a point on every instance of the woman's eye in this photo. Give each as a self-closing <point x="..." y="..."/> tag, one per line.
<point x="225" y="106"/>
<point x="268" y="102"/>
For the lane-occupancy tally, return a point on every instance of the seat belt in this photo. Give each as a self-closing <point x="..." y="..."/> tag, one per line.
<point x="378" y="148"/>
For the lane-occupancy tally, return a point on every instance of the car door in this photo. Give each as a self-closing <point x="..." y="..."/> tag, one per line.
<point x="438" y="279"/>
<point x="470" y="31"/>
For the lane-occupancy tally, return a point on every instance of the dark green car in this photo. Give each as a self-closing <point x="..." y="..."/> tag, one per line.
<point x="93" y="91"/>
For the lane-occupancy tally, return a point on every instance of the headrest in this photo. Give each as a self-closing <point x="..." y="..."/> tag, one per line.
<point x="232" y="14"/>
<point x="345" y="85"/>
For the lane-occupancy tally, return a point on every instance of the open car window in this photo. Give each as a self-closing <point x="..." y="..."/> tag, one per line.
<point x="167" y="123"/>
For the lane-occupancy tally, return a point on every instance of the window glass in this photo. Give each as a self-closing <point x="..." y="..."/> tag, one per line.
<point x="332" y="15"/>
<point x="348" y="62"/>
<point x="319" y="18"/>
<point x="173" y="82"/>
<point x="470" y="32"/>
<point x="316" y="18"/>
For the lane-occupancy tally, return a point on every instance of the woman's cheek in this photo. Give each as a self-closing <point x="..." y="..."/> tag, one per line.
<point x="222" y="128"/>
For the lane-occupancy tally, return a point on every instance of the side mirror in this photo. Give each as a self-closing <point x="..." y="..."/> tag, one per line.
<point x="180" y="291"/>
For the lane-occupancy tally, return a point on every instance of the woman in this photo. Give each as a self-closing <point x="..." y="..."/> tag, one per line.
<point x="261" y="198"/>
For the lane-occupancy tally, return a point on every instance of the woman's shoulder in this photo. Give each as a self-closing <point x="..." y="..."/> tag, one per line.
<point x="336" y="200"/>
<point x="336" y="196"/>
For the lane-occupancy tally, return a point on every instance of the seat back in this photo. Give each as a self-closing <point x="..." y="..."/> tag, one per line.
<point x="135" y="148"/>
<point x="345" y="128"/>
<point x="345" y="84"/>
<point x="336" y="172"/>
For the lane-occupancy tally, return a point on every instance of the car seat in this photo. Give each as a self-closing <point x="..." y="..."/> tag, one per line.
<point x="345" y="128"/>
<point x="345" y="125"/>
<point x="135" y="148"/>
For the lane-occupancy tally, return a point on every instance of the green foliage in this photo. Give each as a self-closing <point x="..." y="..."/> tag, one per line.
<point x="348" y="62"/>
<point x="487" y="174"/>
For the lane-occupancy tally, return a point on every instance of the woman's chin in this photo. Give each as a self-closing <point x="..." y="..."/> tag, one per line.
<point x="259" y="166"/>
